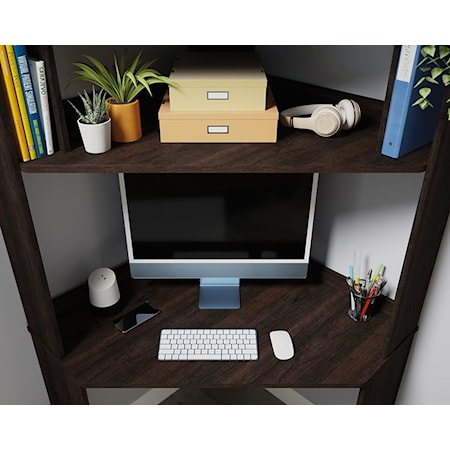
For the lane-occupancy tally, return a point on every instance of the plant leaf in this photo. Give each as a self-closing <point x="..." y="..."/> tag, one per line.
<point x="443" y="51"/>
<point x="431" y="80"/>
<point x="94" y="109"/>
<point x="425" y="92"/>
<point x="428" y="50"/>
<point x="436" y="72"/>
<point x="120" y="82"/>
<point x="419" y="82"/>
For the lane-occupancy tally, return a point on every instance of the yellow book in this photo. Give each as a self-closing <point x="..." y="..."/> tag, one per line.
<point x="21" y="101"/>
<point x="11" y="92"/>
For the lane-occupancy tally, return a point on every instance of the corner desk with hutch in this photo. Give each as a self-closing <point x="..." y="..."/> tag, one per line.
<point x="78" y="349"/>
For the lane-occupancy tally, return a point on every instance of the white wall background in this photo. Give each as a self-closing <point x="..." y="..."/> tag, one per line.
<point x="78" y="223"/>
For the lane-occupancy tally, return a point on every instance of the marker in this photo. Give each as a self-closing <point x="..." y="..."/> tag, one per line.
<point x="368" y="302"/>
<point x="352" y="302"/>
<point x="377" y="272"/>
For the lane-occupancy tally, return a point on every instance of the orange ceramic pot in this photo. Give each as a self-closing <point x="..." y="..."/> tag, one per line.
<point x="125" y="120"/>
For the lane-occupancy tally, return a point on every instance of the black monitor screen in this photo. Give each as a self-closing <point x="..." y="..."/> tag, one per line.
<point x="219" y="216"/>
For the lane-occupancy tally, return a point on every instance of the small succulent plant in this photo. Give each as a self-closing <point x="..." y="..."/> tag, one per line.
<point x="94" y="109"/>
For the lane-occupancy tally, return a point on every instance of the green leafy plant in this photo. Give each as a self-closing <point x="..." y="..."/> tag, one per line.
<point x="123" y="83"/>
<point x="94" y="109"/>
<point x="435" y="65"/>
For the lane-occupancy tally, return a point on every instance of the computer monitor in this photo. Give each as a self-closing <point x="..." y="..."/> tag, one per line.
<point x="218" y="228"/>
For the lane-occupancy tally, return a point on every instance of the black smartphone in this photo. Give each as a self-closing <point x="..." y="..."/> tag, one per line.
<point x="132" y="319"/>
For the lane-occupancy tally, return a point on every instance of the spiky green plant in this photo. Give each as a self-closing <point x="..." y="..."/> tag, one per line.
<point x="435" y="65"/>
<point x="122" y="83"/>
<point x="94" y="109"/>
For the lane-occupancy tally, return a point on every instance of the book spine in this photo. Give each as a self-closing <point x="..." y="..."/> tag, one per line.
<point x="37" y="69"/>
<point x="14" y="105"/>
<point x="30" y="99"/>
<point x="400" y="100"/>
<point x="21" y="101"/>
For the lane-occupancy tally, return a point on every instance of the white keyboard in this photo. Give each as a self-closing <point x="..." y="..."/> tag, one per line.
<point x="211" y="344"/>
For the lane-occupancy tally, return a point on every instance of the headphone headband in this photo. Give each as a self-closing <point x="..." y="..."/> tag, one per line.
<point x="288" y="115"/>
<point x="324" y="119"/>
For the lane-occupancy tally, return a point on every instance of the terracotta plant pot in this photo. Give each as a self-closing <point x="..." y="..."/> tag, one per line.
<point x="96" y="136"/>
<point x="125" y="120"/>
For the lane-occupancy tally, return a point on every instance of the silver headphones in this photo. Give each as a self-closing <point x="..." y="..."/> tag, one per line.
<point x="324" y="120"/>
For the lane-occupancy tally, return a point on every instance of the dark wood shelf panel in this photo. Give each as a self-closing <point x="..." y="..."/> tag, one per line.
<point x="296" y="151"/>
<point x="331" y="349"/>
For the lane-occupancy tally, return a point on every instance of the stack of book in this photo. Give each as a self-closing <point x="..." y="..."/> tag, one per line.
<point x="26" y="86"/>
<point x="218" y="97"/>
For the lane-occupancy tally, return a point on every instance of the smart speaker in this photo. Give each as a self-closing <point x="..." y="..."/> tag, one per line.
<point x="103" y="289"/>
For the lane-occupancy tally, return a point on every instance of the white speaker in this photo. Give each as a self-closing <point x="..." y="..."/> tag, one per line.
<point x="103" y="288"/>
<point x="324" y="120"/>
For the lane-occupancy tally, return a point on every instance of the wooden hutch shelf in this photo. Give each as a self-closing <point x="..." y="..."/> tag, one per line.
<point x="78" y="349"/>
<point x="354" y="151"/>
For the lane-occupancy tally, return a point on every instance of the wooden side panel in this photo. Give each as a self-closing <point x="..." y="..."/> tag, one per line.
<point x="62" y="388"/>
<point x="383" y="386"/>
<point x="426" y="235"/>
<point x="18" y="231"/>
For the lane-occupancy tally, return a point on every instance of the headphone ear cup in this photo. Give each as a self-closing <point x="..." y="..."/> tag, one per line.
<point x="350" y="113"/>
<point x="327" y="121"/>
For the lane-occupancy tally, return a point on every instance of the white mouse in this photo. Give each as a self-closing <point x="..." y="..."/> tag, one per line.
<point x="282" y="345"/>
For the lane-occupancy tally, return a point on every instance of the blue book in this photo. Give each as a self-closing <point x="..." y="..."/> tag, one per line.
<point x="21" y="54"/>
<point x="409" y="127"/>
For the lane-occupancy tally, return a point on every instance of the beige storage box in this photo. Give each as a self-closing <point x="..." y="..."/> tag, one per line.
<point x="223" y="81"/>
<point x="218" y="126"/>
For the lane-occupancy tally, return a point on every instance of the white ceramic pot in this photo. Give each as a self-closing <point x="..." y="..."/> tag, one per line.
<point x="96" y="137"/>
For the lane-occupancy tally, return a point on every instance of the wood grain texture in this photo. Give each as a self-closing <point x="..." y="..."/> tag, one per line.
<point x="78" y="348"/>
<point x="426" y="235"/>
<point x="20" y="239"/>
<point x="296" y="150"/>
<point x="331" y="349"/>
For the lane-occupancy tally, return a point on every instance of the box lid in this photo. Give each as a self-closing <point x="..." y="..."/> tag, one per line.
<point x="223" y="68"/>
<point x="271" y="112"/>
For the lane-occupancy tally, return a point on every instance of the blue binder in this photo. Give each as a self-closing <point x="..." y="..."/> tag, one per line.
<point x="409" y="127"/>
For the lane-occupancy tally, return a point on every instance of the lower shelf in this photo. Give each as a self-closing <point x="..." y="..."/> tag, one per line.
<point x="331" y="349"/>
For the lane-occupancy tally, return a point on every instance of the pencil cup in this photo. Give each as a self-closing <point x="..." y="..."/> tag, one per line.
<point x="361" y="305"/>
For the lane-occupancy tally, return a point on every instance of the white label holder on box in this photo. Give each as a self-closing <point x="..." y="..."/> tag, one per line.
<point x="218" y="129"/>
<point x="217" y="95"/>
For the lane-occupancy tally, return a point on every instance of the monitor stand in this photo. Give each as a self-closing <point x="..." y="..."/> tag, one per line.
<point x="219" y="293"/>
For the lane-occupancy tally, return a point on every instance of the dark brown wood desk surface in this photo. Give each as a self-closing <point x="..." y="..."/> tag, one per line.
<point x="331" y="349"/>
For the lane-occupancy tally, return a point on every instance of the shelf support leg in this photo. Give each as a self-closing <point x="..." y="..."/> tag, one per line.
<point x="62" y="388"/>
<point x="382" y="388"/>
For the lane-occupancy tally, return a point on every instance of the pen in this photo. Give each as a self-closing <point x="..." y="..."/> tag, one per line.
<point x="374" y="292"/>
<point x="363" y="291"/>
<point x="352" y="302"/>
<point x="350" y="283"/>
<point x="377" y="272"/>
<point x="368" y="302"/>
<point x="357" y="264"/>
<point x="368" y="278"/>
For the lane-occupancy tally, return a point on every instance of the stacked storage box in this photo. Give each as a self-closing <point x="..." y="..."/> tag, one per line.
<point x="220" y="97"/>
